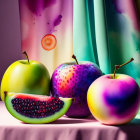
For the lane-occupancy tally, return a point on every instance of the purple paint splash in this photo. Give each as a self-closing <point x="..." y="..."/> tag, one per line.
<point x="119" y="6"/>
<point x="36" y="6"/>
<point x="58" y="20"/>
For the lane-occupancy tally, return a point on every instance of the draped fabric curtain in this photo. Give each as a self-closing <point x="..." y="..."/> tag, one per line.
<point x="42" y="17"/>
<point x="106" y="32"/>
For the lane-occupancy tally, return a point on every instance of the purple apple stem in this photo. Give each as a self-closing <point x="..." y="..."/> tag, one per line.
<point x="73" y="100"/>
<point x="74" y="57"/>
<point x="26" y="56"/>
<point x="119" y="66"/>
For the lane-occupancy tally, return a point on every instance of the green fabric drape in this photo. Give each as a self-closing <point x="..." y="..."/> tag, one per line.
<point x="83" y="47"/>
<point x="107" y="32"/>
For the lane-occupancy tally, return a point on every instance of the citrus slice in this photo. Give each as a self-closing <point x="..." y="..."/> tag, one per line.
<point x="48" y="42"/>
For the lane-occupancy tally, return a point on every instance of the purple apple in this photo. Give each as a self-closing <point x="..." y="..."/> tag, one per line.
<point x="73" y="80"/>
<point x="114" y="99"/>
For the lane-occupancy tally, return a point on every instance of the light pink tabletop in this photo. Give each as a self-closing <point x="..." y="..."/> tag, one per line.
<point x="65" y="129"/>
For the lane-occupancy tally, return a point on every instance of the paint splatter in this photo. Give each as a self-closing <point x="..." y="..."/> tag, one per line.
<point x="58" y="20"/>
<point x="37" y="6"/>
<point x="119" y="6"/>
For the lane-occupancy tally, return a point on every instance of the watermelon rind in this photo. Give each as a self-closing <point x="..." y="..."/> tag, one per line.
<point x="25" y="119"/>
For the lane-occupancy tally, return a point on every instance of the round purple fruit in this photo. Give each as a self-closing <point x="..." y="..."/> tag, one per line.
<point x="73" y="80"/>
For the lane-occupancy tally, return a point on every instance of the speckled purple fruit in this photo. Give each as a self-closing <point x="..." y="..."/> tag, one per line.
<point x="72" y="80"/>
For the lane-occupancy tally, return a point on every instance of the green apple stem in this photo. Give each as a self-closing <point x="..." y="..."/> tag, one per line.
<point x="74" y="57"/>
<point x="5" y="94"/>
<point x="26" y="56"/>
<point x="119" y="66"/>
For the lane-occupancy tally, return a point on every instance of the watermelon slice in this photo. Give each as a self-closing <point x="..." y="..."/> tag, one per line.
<point x="36" y="109"/>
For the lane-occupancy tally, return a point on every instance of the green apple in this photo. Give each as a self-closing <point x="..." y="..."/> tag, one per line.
<point x="27" y="77"/>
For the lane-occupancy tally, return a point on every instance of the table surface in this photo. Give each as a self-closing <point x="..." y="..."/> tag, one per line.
<point x="65" y="129"/>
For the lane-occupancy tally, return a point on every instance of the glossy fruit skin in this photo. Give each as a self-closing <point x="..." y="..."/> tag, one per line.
<point x="72" y="80"/>
<point x="114" y="101"/>
<point x="23" y="77"/>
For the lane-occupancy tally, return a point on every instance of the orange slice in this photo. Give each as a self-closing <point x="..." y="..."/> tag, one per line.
<point x="48" y="42"/>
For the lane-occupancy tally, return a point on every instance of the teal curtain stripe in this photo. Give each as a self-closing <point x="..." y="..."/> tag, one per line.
<point x="82" y="42"/>
<point x="101" y="36"/>
<point x="90" y="10"/>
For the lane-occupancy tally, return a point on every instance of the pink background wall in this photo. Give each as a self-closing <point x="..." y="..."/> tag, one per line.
<point x="10" y="45"/>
